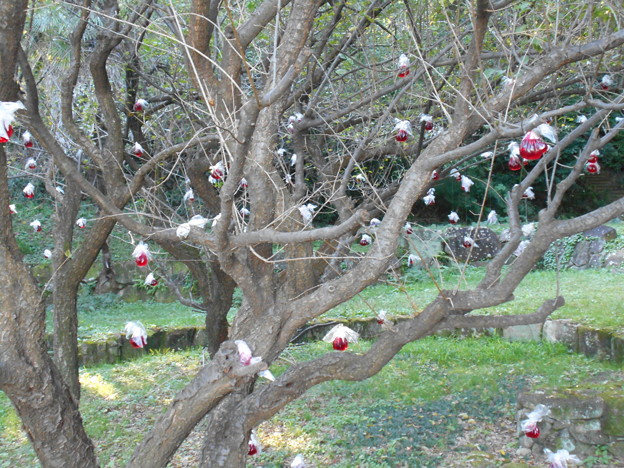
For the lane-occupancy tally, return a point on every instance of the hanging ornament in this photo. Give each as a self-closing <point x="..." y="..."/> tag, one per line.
<point x="453" y="217"/>
<point x="435" y="175"/>
<point x="529" y="425"/>
<point x="560" y="458"/>
<point x="514" y="163"/>
<point x="59" y="189"/>
<point x="297" y="117"/>
<point x="592" y="167"/>
<point x="606" y="82"/>
<point x="381" y="317"/>
<point x="244" y="212"/>
<point x="7" y="115"/>
<point x="30" y="164"/>
<point x="136" y="334"/>
<point x="408" y="229"/>
<point x="254" y="445"/>
<point x="184" y="229"/>
<point x="402" y="130"/>
<point x="529" y="194"/>
<point x="141" y="254"/>
<point x="27" y="139"/>
<point x="521" y="247"/>
<point x="243" y="183"/>
<point x="429" y="199"/>
<point x="140" y="105"/>
<point x="137" y="150"/>
<point x="492" y="218"/>
<point x="365" y="240"/>
<point x="487" y="154"/>
<point x="217" y="171"/>
<point x="81" y="223"/>
<point x="293" y="160"/>
<point x="403" y="66"/>
<point x="581" y="119"/>
<point x="547" y="131"/>
<point x="307" y="212"/>
<point x="47" y="253"/>
<point x="150" y="280"/>
<point x="189" y="196"/>
<point x="532" y="146"/>
<point x="427" y="120"/>
<point x="340" y="337"/>
<point x="374" y="222"/>
<point x="12" y="209"/>
<point x="29" y="190"/>
<point x="36" y="225"/>
<point x="469" y="242"/>
<point x="455" y="173"/>
<point x="411" y="260"/>
<point x="466" y="183"/>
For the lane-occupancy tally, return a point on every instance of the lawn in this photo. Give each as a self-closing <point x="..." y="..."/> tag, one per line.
<point x="408" y="415"/>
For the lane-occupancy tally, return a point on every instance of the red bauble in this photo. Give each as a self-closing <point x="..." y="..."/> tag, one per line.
<point x="467" y="244"/>
<point x="39" y="229"/>
<point x="138" y="342"/>
<point x="138" y="153"/>
<point x="29" y="195"/>
<point x="452" y="221"/>
<point x="380" y="321"/>
<point x="363" y="242"/>
<point x="141" y="260"/>
<point x="217" y="174"/>
<point x="409" y="231"/>
<point x="591" y="167"/>
<point x="154" y="283"/>
<point x="252" y="449"/>
<point x="428" y="125"/>
<point x="401" y="136"/>
<point x="9" y="131"/>
<point x="404" y="72"/>
<point x="514" y="164"/>
<point x="534" y="434"/>
<point x="435" y="175"/>
<point x="340" y="344"/>
<point x="532" y="147"/>
<point x="593" y="160"/>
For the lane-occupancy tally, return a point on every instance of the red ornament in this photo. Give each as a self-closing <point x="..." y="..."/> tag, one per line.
<point x="428" y="125"/>
<point x="137" y="342"/>
<point x="340" y="344"/>
<point x="514" y="163"/>
<point x="141" y="260"/>
<point x="9" y="132"/>
<point x="252" y="449"/>
<point x="532" y="147"/>
<point x="592" y="167"/>
<point x="435" y="175"/>
<point x="401" y="136"/>
<point x="533" y="434"/>
<point x="404" y="72"/>
<point x="29" y="195"/>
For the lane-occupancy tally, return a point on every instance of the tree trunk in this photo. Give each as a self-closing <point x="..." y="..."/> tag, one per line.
<point x="218" y="305"/>
<point x="65" y="342"/>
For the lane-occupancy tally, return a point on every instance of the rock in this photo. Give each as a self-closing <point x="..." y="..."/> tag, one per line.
<point x="616" y="449"/>
<point x="531" y="332"/>
<point x="615" y="259"/>
<point x="613" y="419"/>
<point x="603" y="232"/>
<point x="594" y="342"/>
<point x="522" y="452"/>
<point x="565" y="406"/>
<point x="561" y="331"/>
<point x="589" y="432"/>
<point x="487" y="244"/>
<point x="588" y="253"/>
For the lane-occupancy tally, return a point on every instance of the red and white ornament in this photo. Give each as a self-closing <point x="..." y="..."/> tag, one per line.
<point x="254" y="445"/>
<point x="36" y="225"/>
<point x="455" y="173"/>
<point x="469" y="242"/>
<point x="532" y="147"/>
<point x="529" y="425"/>
<point x="427" y="120"/>
<point x="141" y="254"/>
<point x="189" y="196"/>
<point x="150" y="280"/>
<point x="340" y="336"/>
<point x="7" y="115"/>
<point x="217" y="171"/>
<point x="81" y="223"/>
<point x="606" y="82"/>
<point x="27" y="139"/>
<point x="140" y="105"/>
<point x="243" y="183"/>
<point x="435" y="175"/>
<point x="307" y="212"/>
<point x="374" y="222"/>
<point x="403" y="66"/>
<point x="466" y="183"/>
<point x="12" y="209"/>
<point x="184" y="229"/>
<point x="365" y="240"/>
<point x="429" y="199"/>
<point x="408" y="229"/>
<point x="592" y="167"/>
<point x="245" y="357"/>
<point x="402" y="130"/>
<point x="29" y="190"/>
<point x="136" y="334"/>
<point x="381" y="317"/>
<point x="487" y="154"/>
<point x="47" y="253"/>
<point x="244" y="211"/>
<point x="453" y="217"/>
<point x="30" y="164"/>
<point x="137" y="150"/>
<point x="560" y="458"/>
<point x="547" y="131"/>
<point x="529" y="194"/>
<point x="411" y="260"/>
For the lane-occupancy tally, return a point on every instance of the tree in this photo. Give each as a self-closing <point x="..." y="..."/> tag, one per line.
<point x="331" y="67"/>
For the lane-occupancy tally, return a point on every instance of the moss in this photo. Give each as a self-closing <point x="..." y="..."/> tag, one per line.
<point x="613" y="419"/>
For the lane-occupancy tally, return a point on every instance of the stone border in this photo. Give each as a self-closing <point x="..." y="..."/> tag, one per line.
<point x="591" y="342"/>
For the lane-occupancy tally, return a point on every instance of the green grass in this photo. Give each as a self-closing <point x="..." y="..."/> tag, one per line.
<point x="383" y="421"/>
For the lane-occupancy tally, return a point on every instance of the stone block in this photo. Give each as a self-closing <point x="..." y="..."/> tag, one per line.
<point x="561" y="331"/>
<point x="565" y="406"/>
<point x="531" y="332"/>
<point x="589" y="432"/>
<point x="617" y="348"/>
<point x="613" y="418"/>
<point x="602" y="232"/>
<point x="594" y="342"/>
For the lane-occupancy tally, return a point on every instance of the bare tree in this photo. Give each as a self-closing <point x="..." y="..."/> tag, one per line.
<point x="319" y="79"/>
